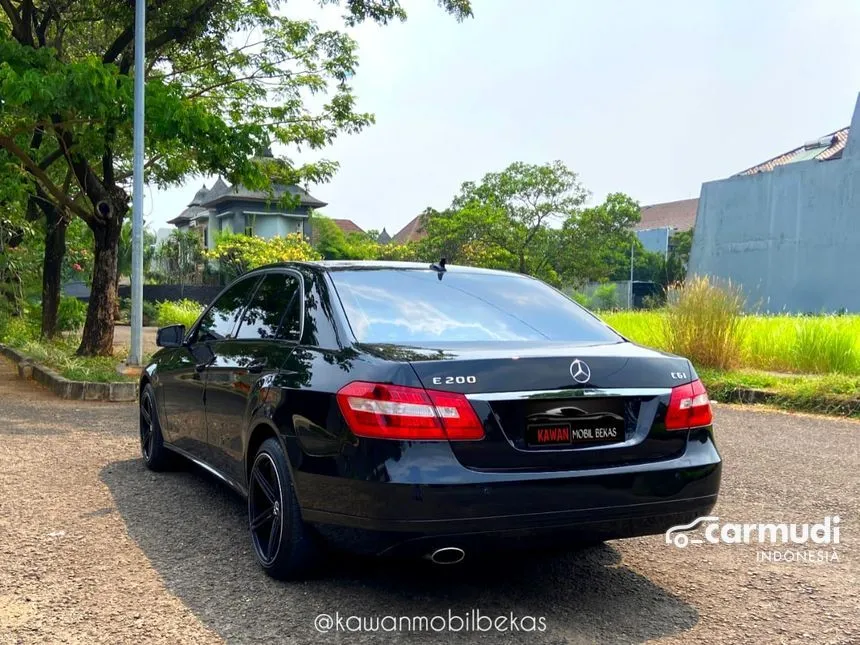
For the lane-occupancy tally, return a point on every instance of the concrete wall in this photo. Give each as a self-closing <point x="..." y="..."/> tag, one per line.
<point x="790" y="237"/>
<point x="202" y="293"/>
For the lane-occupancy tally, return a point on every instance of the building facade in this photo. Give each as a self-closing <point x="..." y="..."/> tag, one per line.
<point x="236" y="209"/>
<point x="788" y="230"/>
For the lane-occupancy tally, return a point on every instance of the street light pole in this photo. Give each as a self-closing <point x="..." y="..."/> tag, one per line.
<point x="630" y="289"/>
<point x="135" y="353"/>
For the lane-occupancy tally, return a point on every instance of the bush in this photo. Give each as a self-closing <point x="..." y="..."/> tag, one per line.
<point x="178" y="312"/>
<point x="581" y="298"/>
<point x="704" y="322"/>
<point x="20" y="330"/>
<point x="150" y="313"/>
<point x="605" y="297"/>
<point x="237" y="253"/>
<point x="71" y="314"/>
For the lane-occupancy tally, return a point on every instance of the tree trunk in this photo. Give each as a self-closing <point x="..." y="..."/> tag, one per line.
<point x="97" y="339"/>
<point x="52" y="267"/>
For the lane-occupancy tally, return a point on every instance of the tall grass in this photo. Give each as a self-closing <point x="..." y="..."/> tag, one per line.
<point x="825" y="345"/>
<point x="704" y="322"/>
<point x="784" y="343"/>
<point x="643" y="327"/>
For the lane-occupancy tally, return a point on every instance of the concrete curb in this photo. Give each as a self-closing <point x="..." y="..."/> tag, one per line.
<point x="66" y="389"/>
<point x="832" y="405"/>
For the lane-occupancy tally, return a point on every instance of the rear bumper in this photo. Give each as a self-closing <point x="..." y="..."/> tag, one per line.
<point x="463" y="508"/>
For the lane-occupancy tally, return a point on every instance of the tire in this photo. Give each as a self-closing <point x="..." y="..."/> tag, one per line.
<point x="155" y="455"/>
<point x="281" y="541"/>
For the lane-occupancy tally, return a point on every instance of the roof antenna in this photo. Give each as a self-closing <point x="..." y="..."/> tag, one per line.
<point x="439" y="267"/>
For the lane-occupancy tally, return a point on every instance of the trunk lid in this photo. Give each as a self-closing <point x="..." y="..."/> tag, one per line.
<point x="558" y="406"/>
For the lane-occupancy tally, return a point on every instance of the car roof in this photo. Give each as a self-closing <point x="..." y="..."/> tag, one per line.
<point x="346" y="265"/>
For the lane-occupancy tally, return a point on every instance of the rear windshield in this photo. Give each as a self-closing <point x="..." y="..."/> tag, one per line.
<point x="414" y="306"/>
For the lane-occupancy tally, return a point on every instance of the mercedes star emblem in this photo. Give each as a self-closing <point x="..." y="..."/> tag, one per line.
<point x="580" y="371"/>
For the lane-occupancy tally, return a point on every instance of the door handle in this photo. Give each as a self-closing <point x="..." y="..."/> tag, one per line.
<point x="257" y="366"/>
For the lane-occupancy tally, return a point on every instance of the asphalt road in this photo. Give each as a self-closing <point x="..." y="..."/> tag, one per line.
<point x="96" y="549"/>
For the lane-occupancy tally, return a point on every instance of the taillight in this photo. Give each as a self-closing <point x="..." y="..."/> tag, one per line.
<point x="410" y="413"/>
<point x="689" y="407"/>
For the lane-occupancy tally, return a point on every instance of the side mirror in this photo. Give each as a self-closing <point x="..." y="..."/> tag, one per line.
<point x="170" y="336"/>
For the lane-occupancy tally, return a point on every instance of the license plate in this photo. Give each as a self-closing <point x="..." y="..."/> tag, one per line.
<point x="575" y="433"/>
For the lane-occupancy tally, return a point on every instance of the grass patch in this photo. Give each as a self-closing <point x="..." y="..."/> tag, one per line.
<point x="834" y="394"/>
<point x="59" y="354"/>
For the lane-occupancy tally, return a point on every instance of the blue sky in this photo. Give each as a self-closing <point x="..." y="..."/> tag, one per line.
<point x="647" y="98"/>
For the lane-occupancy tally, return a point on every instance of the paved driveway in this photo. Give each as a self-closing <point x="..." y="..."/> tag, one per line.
<point x="94" y="548"/>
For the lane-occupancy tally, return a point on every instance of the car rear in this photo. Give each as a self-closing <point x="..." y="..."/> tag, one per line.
<point x="525" y="420"/>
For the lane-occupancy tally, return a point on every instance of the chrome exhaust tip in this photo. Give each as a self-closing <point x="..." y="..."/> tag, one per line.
<point x="447" y="555"/>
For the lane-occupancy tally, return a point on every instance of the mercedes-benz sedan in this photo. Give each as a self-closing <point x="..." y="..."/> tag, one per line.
<point x="426" y="411"/>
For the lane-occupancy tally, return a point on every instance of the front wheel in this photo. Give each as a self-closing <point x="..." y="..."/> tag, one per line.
<point x="156" y="456"/>
<point x="281" y="541"/>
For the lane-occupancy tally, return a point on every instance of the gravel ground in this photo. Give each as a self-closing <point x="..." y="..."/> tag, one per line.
<point x="96" y="549"/>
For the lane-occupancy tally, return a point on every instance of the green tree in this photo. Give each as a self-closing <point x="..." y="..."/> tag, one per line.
<point x="124" y="250"/>
<point x="329" y="239"/>
<point x="594" y="245"/>
<point x="680" y="244"/>
<point x="181" y="255"/>
<point x="513" y="210"/>
<point x="225" y="79"/>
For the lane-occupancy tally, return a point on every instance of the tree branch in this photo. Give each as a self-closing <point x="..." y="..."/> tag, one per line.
<point x="9" y="144"/>
<point x="14" y="18"/>
<point x="118" y="46"/>
<point x="50" y="159"/>
<point x="181" y="28"/>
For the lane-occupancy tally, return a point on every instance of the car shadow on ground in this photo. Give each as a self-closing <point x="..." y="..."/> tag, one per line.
<point x="193" y="531"/>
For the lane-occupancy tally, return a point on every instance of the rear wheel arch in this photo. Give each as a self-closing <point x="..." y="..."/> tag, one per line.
<point x="261" y="431"/>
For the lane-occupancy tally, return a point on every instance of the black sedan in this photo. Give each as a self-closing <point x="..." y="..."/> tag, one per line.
<point x="426" y="410"/>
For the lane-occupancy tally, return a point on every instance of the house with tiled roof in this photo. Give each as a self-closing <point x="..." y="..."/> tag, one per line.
<point x="825" y="148"/>
<point x="679" y="215"/>
<point x="223" y="208"/>
<point x="412" y="232"/>
<point x="787" y="229"/>
<point x="347" y="226"/>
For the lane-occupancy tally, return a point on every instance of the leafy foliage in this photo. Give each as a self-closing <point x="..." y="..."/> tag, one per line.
<point x="333" y="244"/>
<point x="506" y="217"/>
<point x="237" y="253"/>
<point x="180" y="255"/>
<point x="71" y="315"/>
<point x="178" y="312"/>
<point x="225" y="80"/>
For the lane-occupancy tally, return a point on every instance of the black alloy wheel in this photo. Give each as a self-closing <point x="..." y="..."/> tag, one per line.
<point x="282" y="542"/>
<point x="265" y="509"/>
<point x="156" y="456"/>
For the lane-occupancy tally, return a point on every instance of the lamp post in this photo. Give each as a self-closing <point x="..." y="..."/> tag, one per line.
<point x="135" y="353"/>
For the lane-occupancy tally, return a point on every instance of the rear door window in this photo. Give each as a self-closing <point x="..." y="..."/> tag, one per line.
<point x="274" y="311"/>
<point x="221" y="319"/>
<point x="414" y="306"/>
